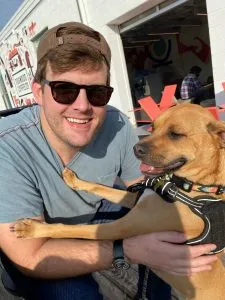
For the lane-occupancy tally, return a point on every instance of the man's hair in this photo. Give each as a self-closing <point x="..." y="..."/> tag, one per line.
<point x="195" y="70"/>
<point x="71" y="46"/>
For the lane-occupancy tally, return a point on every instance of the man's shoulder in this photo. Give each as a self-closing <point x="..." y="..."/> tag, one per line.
<point x="115" y="115"/>
<point x="188" y="80"/>
<point x="26" y="118"/>
<point x="116" y="128"/>
<point x="188" y="76"/>
<point x="113" y="110"/>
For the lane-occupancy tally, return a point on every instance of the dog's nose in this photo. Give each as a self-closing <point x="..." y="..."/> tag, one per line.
<point x="140" y="150"/>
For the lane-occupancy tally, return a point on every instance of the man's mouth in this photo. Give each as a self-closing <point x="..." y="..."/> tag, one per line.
<point x="78" y="121"/>
<point x="148" y="169"/>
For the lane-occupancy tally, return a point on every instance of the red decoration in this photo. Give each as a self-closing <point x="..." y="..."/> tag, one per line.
<point x="202" y="53"/>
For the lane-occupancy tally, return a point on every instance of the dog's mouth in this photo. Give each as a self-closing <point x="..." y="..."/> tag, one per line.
<point x="148" y="169"/>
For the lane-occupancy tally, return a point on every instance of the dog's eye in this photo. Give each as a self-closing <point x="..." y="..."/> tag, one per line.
<point x="174" y="135"/>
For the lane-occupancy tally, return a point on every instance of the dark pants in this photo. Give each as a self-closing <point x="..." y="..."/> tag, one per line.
<point x="85" y="287"/>
<point x="77" y="288"/>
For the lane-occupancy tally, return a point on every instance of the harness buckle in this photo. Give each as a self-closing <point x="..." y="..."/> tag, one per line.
<point x="220" y="190"/>
<point x="183" y="183"/>
<point x="187" y="186"/>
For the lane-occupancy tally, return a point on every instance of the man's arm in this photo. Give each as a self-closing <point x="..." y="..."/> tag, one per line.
<point x="197" y="84"/>
<point x="61" y="258"/>
<point x="55" y="258"/>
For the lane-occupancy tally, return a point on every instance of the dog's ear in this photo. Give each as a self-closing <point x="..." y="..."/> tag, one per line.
<point x="218" y="127"/>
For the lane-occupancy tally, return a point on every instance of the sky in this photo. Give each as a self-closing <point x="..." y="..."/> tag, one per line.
<point x="7" y="9"/>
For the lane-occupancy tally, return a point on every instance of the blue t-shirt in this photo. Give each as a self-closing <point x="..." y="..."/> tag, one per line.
<point x="31" y="171"/>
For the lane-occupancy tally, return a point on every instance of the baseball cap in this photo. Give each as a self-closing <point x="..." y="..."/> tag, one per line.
<point x="50" y="40"/>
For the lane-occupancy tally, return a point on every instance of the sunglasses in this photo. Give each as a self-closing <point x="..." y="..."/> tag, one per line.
<point x="67" y="92"/>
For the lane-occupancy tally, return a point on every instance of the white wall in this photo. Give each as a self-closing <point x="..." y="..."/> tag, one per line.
<point x="105" y="16"/>
<point x="2" y="105"/>
<point x="102" y="15"/>
<point x="216" y="19"/>
<point x="99" y="14"/>
<point x="19" y="34"/>
<point x="44" y="12"/>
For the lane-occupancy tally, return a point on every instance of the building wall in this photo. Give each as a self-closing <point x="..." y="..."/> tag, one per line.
<point x="118" y="12"/>
<point x="19" y="39"/>
<point x="105" y="16"/>
<point x="35" y="16"/>
<point x="2" y="106"/>
<point x="216" y="19"/>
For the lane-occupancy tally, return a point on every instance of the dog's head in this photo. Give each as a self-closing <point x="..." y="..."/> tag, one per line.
<point x="186" y="139"/>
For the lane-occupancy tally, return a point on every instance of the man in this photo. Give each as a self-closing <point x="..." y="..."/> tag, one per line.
<point x="191" y="86"/>
<point x="72" y="126"/>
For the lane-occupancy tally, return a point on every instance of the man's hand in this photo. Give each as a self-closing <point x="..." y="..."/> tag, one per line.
<point x="162" y="251"/>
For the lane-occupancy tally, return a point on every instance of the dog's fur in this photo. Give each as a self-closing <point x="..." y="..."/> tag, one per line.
<point x="186" y="137"/>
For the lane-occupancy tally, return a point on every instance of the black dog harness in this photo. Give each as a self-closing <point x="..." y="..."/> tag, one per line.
<point x="211" y="210"/>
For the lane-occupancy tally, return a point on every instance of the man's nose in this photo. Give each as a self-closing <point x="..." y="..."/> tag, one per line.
<point x="81" y="103"/>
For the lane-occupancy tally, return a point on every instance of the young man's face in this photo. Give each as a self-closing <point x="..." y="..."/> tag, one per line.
<point x="69" y="127"/>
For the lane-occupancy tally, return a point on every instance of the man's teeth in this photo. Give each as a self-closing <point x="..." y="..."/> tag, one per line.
<point x="77" y="121"/>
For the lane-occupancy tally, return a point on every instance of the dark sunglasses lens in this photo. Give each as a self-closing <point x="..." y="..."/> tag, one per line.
<point x="99" y="95"/>
<point x="65" y="93"/>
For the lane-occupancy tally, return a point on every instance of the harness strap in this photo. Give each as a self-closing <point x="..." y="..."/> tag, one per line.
<point x="213" y="215"/>
<point x="188" y="186"/>
<point x="170" y="192"/>
<point x="209" y="209"/>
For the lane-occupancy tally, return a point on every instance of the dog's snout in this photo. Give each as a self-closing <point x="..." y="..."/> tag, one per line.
<point x="140" y="150"/>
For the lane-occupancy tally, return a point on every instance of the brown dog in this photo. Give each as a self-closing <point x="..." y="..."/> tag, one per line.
<point x="186" y="140"/>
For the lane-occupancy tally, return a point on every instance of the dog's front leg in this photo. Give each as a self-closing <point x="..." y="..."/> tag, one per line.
<point x="145" y="217"/>
<point x="123" y="198"/>
<point x="29" y="228"/>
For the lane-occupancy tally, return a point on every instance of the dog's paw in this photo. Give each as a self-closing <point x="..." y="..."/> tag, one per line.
<point x="26" y="228"/>
<point x="70" y="178"/>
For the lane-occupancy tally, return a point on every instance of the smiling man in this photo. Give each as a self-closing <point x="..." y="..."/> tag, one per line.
<point x="73" y="126"/>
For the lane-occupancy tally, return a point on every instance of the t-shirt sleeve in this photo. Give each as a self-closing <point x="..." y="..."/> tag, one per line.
<point x="130" y="167"/>
<point x="19" y="197"/>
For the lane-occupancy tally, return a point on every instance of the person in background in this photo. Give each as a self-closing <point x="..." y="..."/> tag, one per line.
<point x="72" y="126"/>
<point x="191" y="86"/>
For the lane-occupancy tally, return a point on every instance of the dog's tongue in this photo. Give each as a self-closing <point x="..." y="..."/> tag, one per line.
<point x="148" y="169"/>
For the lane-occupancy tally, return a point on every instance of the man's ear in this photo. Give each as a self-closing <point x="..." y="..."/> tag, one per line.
<point x="218" y="127"/>
<point x="37" y="92"/>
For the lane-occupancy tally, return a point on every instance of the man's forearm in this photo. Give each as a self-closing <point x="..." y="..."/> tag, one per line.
<point x="69" y="258"/>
